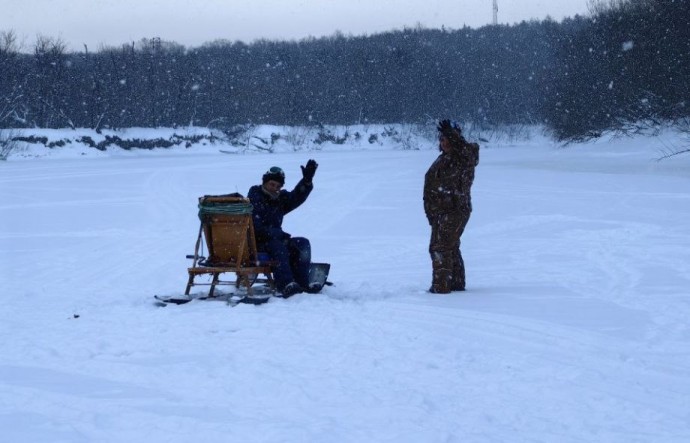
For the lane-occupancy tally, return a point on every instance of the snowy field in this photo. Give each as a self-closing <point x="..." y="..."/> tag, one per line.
<point x="575" y="326"/>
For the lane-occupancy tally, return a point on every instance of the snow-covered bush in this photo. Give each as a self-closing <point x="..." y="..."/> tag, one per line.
<point x="8" y="142"/>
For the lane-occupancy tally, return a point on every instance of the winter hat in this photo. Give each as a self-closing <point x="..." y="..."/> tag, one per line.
<point x="275" y="174"/>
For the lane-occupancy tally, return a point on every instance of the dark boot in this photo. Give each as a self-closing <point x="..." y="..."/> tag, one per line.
<point x="442" y="276"/>
<point x="439" y="289"/>
<point x="458" y="278"/>
<point x="291" y="289"/>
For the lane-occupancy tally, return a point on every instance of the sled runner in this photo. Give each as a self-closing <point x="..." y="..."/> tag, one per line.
<point x="229" y="299"/>
<point x="228" y="232"/>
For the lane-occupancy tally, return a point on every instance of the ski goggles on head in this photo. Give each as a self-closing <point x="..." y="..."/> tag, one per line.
<point x="275" y="170"/>
<point x="275" y="174"/>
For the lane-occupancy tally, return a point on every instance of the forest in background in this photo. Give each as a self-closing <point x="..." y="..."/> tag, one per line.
<point x="626" y="62"/>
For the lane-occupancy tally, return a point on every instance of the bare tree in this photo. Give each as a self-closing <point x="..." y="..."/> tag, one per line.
<point x="49" y="81"/>
<point x="8" y="142"/>
<point x="10" y="86"/>
<point x="683" y="126"/>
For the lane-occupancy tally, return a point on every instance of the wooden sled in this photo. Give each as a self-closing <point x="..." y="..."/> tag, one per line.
<point x="228" y="232"/>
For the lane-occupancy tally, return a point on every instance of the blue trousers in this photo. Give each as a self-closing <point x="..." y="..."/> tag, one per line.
<point x="294" y="259"/>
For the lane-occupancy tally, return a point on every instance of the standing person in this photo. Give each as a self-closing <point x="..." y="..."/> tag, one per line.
<point x="448" y="205"/>
<point x="271" y="203"/>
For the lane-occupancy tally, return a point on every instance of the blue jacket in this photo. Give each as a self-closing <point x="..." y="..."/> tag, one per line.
<point x="268" y="212"/>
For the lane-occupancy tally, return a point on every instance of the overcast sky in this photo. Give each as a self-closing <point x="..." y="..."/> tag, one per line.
<point x="194" y="22"/>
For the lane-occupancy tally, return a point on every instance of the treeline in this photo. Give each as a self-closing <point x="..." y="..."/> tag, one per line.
<point x="627" y="61"/>
<point x="627" y="64"/>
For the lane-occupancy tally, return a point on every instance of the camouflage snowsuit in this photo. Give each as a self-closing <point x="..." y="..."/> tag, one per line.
<point x="447" y="204"/>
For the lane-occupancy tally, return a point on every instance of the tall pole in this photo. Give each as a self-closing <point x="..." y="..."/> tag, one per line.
<point x="495" y="12"/>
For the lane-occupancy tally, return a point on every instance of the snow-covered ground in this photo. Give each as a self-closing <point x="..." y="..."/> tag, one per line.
<point x="575" y="326"/>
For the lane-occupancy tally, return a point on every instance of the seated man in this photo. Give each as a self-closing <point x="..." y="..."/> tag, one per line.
<point x="271" y="203"/>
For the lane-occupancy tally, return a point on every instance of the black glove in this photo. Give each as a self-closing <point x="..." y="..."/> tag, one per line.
<point x="309" y="170"/>
<point x="444" y="128"/>
<point x="447" y="129"/>
<point x="454" y="134"/>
